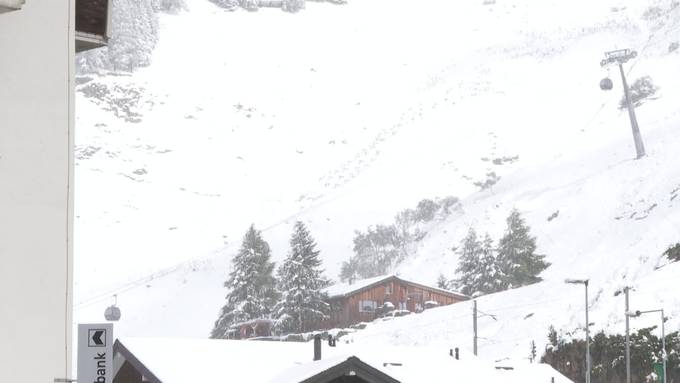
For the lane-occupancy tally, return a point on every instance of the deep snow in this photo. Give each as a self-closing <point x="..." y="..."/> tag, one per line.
<point x="343" y="115"/>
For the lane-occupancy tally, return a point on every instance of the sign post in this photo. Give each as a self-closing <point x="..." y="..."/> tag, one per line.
<point x="95" y="353"/>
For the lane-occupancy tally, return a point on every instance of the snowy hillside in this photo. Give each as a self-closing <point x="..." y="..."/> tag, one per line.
<point x="343" y="115"/>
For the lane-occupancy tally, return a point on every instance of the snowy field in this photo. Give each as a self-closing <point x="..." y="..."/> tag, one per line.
<point x="341" y="116"/>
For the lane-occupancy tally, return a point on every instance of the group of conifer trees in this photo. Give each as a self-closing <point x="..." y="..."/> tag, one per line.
<point x="485" y="267"/>
<point x="293" y="298"/>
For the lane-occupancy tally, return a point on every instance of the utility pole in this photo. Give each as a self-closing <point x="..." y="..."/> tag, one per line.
<point x="474" y="326"/>
<point x="625" y="290"/>
<point x="663" y="346"/>
<point x="663" y="335"/>
<point x="620" y="57"/>
<point x="587" y="337"/>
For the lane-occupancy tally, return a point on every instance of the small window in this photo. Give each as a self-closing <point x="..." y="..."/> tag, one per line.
<point x="388" y="289"/>
<point x="367" y="306"/>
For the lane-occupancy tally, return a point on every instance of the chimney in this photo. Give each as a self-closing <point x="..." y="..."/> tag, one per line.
<point x="317" y="347"/>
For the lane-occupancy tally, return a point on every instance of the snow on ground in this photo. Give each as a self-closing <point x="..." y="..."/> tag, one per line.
<point x="343" y="115"/>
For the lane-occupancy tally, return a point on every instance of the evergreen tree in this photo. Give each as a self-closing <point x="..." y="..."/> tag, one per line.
<point x="300" y="282"/>
<point x="478" y="268"/>
<point x="490" y="275"/>
<point x="519" y="263"/>
<point x="251" y="283"/>
<point x="468" y="263"/>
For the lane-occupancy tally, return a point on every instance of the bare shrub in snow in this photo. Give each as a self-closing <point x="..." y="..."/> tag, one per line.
<point x="641" y="90"/>
<point x="293" y="5"/>
<point x="170" y="6"/>
<point x="227" y="4"/>
<point x="673" y="253"/>
<point x="673" y="46"/>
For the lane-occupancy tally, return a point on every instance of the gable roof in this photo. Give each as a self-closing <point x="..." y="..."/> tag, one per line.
<point x="342" y="290"/>
<point x="164" y="360"/>
<point x="324" y="371"/>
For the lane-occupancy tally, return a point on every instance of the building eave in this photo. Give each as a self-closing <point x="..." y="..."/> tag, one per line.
<point x="119" y="347"/>
<point x="453" y="294"/>
<point x="355" y="366"/>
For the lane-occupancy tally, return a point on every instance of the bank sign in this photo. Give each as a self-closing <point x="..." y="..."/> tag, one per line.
<point x="95" y="353"/>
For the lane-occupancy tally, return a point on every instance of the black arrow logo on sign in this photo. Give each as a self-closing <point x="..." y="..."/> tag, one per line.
<point x="97" y="337"/>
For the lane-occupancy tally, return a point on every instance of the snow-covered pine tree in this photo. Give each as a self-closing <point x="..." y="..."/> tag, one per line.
<point x="251" y="285"/>
<point x="519" y="263"/>
<point x="301" y="280"/>
<point x="478" y="268"/>
<point x="490" y="275"/>
<point x="470" y="252"/>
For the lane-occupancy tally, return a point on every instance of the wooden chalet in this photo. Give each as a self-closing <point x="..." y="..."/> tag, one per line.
<point x="368" y="299"/>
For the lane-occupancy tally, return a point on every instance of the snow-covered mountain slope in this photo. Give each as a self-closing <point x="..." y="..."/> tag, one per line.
<point x="343" y="115"/>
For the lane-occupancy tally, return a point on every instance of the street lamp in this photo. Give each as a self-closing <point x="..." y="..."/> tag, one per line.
<point x="635" y="314"/>
<point x="585" y="283"/>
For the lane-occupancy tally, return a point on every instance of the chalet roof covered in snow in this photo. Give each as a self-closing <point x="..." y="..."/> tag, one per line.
<point x="206" y="360"/>
<point x="346" y="289"/>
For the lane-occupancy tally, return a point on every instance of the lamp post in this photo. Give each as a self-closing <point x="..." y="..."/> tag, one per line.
<point x="663" y="334"/>
<point x="585" y="283"/>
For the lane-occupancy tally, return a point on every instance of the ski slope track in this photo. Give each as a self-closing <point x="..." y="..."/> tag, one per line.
<point x="341" y="116"/>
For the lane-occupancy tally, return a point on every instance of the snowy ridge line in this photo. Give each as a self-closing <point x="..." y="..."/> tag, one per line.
<point x="191" y="262"/>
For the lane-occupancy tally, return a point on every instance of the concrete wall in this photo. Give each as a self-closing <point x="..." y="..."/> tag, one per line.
<point x="36" y="142"/>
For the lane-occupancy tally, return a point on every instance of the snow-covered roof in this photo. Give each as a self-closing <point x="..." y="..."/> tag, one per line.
<point x="345" y="289"/>
<point x="207" y="360"/>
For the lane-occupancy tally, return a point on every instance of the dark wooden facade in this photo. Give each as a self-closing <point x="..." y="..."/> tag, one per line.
<point x="92" y="24"/>
<point x="367" y="303"/>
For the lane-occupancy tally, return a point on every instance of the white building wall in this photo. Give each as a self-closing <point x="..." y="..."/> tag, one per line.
<point x="36" y="142"/>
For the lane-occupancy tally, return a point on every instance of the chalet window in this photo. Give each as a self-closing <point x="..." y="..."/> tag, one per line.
<point x="402" y="306"/>
<point x="10" y="5"/>
<point x="367" y="306"/>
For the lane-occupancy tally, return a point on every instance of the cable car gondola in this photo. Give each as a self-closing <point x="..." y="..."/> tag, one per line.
<point x="606" y="84"/>
<point x="112" y="313"/>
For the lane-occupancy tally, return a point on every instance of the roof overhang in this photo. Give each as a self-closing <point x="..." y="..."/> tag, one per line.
<point x="353" y="366"/>
<point x="11" y="5"/>
<point x="122" y="354"/>
<point x="453" y="294"/>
